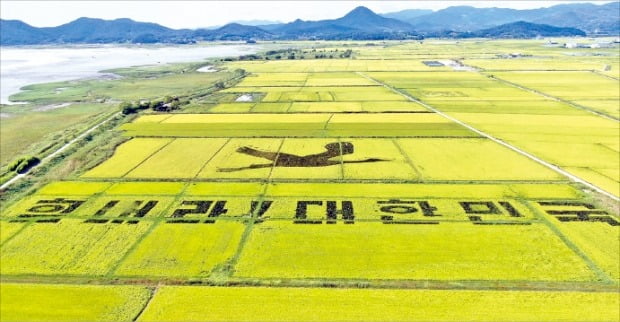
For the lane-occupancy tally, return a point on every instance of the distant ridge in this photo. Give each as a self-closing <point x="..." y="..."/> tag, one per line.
<point x="522" y="29"/>
<point x="89" y="30"/>
<point x="591" y="18"/>
<point x="359" y="24"/>
<point x="408" y="14"/>
<point x="16" y="32"/>
<point x="232" y="31"/>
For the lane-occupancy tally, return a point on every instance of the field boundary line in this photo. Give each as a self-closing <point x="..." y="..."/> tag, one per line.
<point x="325" y="180"/>
<point x="244" y="239"/>
<point x="117" y="264"/>
<point x="604" y="75"/>
<point x="252" y="220"/>
<point x="16" y="233"/>
<point x="235" y="78"/>
<point x="156" y="221"/>
<point x="606" y="147"/>
<point x="341" y="157"/>
<point x="144" y="220"/>
<point x="60" y="149"/>
<point x="152" y="292"/>
<point x="246" y="233"/>
<point x="268" y="179"/>
<point x="408" y="159"/>
<point x="528" y="222"/>
<point x="327" y="122"/>
<point x="315" y="112"/>
<point x="587" y="260"/>
<point x="501" y="142"/>
<point x="602" y="174"/>
<point x="161" y="121"/>
<point x="288" y="108"/>
<point x="533" y="69"/>
<point x="209" y="160"/>
<point x="494" y="285"/>
<point x="290" y="135"/>
<point x="248" y="112"/>
<point x="555" y="98"/>
<point x="172" y="139"/>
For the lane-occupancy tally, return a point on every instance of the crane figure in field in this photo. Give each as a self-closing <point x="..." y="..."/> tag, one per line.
<point x="280" y="159"/>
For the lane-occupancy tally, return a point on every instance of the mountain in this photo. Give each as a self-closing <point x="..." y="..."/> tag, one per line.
<point x="585" y="16"/>
<point x="360" y="24"/>
<point x="360" y="21"/>
<point x="588" y="17"/>
<point x="522" y="29"/>
<point x="15" y="32"/>
<point x="272" y="27"/>
<point x="257" y="22"/>
<point x="89" y="31"/>
<point x="408" y="14"/>
<point x="464" y="18"/>
<point x="362" y="18"/>
<point x="232" y="31"/>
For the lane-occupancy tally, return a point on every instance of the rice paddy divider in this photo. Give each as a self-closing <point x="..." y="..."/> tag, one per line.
<point x="152" y="292"/>
<point x="148" y="157"/>
<point x="587" y="260"/>
<point x="211" y="158"/>
<point x="500" y="285"/>
<point x="408" y="160"/>
<point x="501" y="142"/>
<point x="557" y="99"/>
<point x="268" y="180"/>
<point x="318" y="180"/>
<point x="604" y="75"/>
<point x="246" y="233"/>
<point x="155" y="222"/>
<point x="17" y="232"/>
<point x="341" y="157"/>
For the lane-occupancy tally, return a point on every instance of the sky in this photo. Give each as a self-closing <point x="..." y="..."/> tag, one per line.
<point x="197" y="14"/>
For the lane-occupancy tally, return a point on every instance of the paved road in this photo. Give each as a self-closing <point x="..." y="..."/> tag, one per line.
<point x="62" y="148"/>
<point x="498" y="141"/>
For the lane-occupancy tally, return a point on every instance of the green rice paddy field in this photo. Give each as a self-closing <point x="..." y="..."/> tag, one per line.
<point x="372" y="188"/>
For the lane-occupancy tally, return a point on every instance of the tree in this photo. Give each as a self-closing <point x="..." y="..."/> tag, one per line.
<point x="125" y="104"/>
<point x="156" y="105"/>
<point x="127" y="108"/>
<point x="144" y="105"/>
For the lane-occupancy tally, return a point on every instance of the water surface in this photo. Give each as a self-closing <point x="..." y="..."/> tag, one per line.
<point x="20" y="66"/>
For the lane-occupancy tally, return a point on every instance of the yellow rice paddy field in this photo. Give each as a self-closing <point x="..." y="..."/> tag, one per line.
<point x="369" y="188"/>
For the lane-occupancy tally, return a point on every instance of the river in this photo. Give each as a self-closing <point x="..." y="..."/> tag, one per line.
<point x="25" y="65"/>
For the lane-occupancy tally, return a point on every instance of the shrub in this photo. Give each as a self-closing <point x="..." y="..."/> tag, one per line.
<point x="22" y="164"/>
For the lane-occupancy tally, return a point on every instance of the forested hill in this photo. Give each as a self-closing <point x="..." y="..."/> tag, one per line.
<point x="361" y="23"/>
